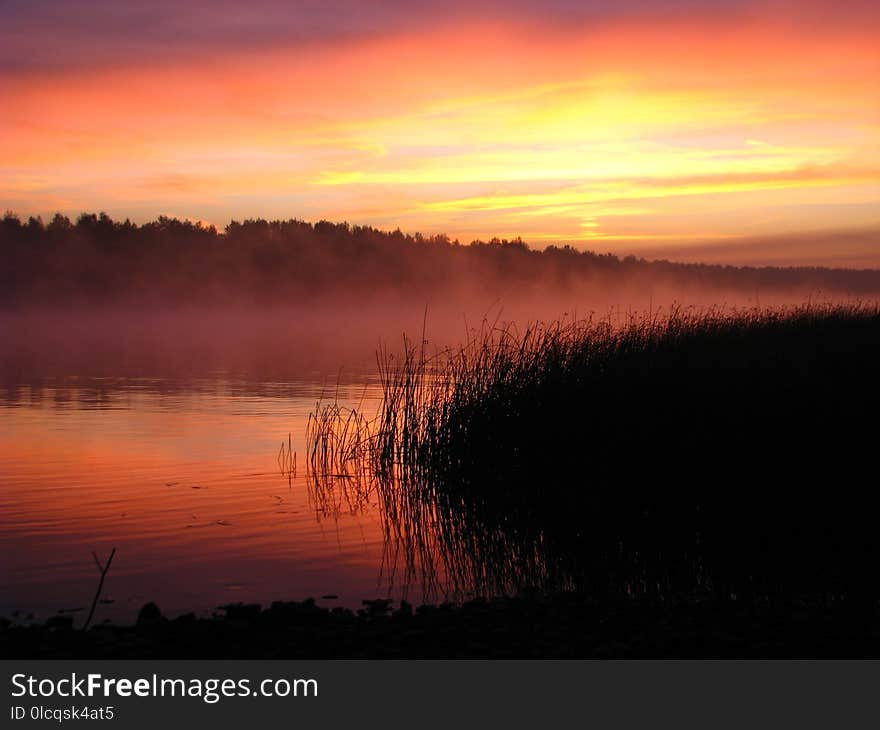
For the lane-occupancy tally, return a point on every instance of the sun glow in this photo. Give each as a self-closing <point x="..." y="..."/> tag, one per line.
<point x="622" y="131"/>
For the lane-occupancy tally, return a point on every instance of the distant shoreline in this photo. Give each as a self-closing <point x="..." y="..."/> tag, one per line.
<point x="176" y="263"/>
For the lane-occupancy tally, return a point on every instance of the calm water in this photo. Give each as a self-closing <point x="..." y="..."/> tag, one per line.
<point x="180" y="475"/>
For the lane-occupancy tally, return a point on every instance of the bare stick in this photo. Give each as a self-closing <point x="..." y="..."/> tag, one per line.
<point x="103" y="570"/>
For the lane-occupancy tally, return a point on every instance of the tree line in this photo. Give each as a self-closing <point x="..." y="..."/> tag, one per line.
<point x="98" y="259"/>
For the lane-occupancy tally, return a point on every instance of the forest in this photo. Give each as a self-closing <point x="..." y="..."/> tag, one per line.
<point x="168" y="261"/>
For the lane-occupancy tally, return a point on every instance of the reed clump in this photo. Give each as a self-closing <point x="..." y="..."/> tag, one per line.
<point x="339" y="458"/>
<point x="728" y="452"/>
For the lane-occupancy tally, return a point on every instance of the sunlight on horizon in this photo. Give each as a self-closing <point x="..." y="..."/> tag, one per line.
<point x="631" y="135"/>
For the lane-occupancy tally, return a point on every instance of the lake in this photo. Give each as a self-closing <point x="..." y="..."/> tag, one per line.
<point x="158" y="433"/>
<point x="182" y="478"/>
<point x="173" y="461"/>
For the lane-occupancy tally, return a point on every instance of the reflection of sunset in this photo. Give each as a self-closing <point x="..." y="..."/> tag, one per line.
<point x="185" y="486"/>
<point x="632" y="131"/>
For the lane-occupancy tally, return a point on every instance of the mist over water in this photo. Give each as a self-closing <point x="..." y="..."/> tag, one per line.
<point x="320" y="339"/>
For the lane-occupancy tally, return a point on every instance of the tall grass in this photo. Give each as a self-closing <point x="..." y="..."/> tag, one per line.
<point x="732" y="453"/>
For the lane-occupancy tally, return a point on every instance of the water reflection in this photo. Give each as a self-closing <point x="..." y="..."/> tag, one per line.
<point x="181" y="477"/>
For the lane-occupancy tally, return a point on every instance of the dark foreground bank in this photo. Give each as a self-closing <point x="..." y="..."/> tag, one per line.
<point x="560" y="626"/>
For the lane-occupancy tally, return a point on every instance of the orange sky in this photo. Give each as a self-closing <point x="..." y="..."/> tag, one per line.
<point x="697" y="135"/>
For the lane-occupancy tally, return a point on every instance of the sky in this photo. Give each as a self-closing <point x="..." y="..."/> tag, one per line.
<point x="729" y="131"/>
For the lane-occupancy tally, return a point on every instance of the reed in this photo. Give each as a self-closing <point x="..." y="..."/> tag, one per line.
<point x="728" y="452"/>
<point x="339" y="462"/>
<point x="287" y="459"/>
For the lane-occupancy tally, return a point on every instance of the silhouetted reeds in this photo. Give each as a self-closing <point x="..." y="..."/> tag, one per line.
<point x="339" y="471"/>
<point x="727" y="453"/>
<point x="287" y="459"/>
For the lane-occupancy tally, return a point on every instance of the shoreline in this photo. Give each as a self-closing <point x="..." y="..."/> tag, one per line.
<point x="562" y="625"/>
